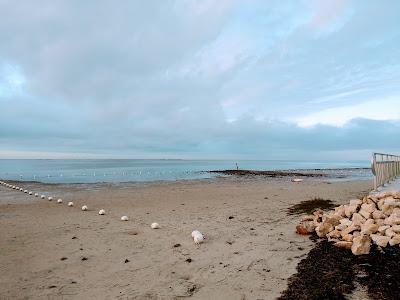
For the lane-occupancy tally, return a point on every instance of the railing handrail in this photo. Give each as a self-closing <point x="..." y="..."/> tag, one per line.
<point x="385" y="169"/>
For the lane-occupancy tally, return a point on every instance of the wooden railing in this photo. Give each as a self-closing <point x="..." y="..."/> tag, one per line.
<point x="385" y="168"/>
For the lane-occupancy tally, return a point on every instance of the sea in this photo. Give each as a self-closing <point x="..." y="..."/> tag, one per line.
<point x="144" y="170"/>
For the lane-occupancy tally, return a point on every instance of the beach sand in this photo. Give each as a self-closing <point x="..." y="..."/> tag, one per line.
<point x="52" y="251"/>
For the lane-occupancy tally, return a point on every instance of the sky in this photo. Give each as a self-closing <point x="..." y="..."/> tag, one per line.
<point x="199" y="79"/>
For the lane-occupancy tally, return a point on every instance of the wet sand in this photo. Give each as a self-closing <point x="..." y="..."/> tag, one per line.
<point x="52" y="251"/>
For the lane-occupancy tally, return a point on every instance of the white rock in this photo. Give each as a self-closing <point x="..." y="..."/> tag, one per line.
<point x="323" y="229"/>
<point x="377" y="214"/>
<point x="102" y="212"/>
<point x="358" y="219"/>
<point x="396" y="228"/>
<point x="382" y="241"/>
<point x="59" y="201"/>
<point x="369" y="228"/>
<point x="124" y="218"/>
<point x="395" y="240"/>
<point x="361" y="245"/>
<point x="84" y="208"/>
<point x="155" y="225"/>
<point x="71" y="203"/>
<point x="383" y="228"/>
<point x="364" y="213"/>
<point x="340" y="227"/>
<point x="356" y="202"/>
<point x="345" y="222"/>
<point x="349" y="210"/>
<point x="389" y="232"/>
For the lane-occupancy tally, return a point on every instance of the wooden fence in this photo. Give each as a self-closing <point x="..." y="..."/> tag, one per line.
<point x="385" y="168"/>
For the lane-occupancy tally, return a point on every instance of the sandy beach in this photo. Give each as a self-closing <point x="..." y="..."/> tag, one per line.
<point x="52" y="251"/>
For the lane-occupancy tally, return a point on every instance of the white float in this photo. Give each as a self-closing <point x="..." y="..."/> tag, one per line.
<point x="155" y="225"/>
<point x="197" y="236"/>
<point x="297" y="180"/>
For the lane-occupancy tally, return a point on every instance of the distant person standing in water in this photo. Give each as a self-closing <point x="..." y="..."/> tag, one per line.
<point x="237" y="167"/>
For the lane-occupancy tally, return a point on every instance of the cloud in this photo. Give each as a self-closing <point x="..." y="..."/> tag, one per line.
<point x="196" y="78"/>
<point x="381" y="109"/>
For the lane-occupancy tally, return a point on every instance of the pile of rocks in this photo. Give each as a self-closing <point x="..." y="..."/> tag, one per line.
<point x="374" y="219"/>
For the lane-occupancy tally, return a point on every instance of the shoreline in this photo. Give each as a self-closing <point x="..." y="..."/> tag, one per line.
<point x="226" y="173"/>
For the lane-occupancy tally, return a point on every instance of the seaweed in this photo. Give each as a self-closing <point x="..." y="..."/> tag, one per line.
<point x="329" y="272"/>
<point x="308" y="206"/>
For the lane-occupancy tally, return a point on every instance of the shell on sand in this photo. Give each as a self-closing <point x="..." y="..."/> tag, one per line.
<point x="30" y="193"/>
<point x="124" y="218"/>
<point x="59" y="201"/>
<point x="155" y="225"/>
<point x="26" y="191"/>
<point x="102" y="212"/>
<point x="36" y="195"/>
<point x="84" y="208"/>
<point x="42" y="196"/>
<point x="50" y="198"/>
<point x="70" y="203"/>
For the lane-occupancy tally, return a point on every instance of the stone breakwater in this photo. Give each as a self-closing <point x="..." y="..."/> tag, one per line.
<point x="355" y="226"/>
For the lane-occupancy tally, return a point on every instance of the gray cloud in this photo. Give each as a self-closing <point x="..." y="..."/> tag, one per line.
<point x="168" y="78"/>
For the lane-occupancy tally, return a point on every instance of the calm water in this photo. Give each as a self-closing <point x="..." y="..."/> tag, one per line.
<point x="123" y="170"/>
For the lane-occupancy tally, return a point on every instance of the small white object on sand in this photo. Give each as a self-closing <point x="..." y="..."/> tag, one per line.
<point x="70" y="203"/>
<point x="102" y="212"/>
<point x="50" y="198"/>
<point x="297" y="180"/>
<point x="155" y="226"/>
<point x="21" y="189"/>
<point x="124" y="218"/>
<point x="30" y="193"/>
<point x="197" y="236"/>
<point x="26" y="191"/>
<point x="84" y="208"/>
<point x="36" y="195"/>
<point x="59" y="201"/>
<point x="42" y="196"/>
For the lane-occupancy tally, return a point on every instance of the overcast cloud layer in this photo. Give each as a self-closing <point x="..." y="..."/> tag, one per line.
<point x="199" y="79"/>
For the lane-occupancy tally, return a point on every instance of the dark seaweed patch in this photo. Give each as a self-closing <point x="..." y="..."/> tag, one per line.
<point x="308" y="206"/>
<point x="329" y="272"/>
<point x="382" y="269"/>
<point x="325" y="273"/>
